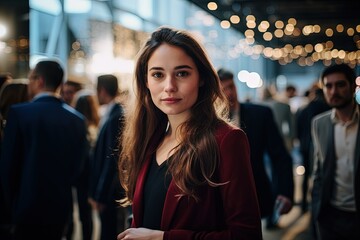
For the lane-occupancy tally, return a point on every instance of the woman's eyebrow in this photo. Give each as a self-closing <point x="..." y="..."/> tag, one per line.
<point x="183" y="66"/>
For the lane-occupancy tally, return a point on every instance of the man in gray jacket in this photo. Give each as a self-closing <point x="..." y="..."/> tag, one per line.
<point x="336" y="189"/>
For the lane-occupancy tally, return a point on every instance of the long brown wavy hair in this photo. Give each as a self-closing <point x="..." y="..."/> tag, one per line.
<point x="196" y="157"/>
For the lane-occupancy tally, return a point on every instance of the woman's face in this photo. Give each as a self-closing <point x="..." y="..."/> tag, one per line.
<point x="173" y="80"/>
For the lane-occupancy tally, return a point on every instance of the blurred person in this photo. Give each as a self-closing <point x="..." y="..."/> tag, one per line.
<point x="289" y="96"/>
<point x="69" y="89"/>
<point x="304" y="116"/>
<point x="290" y="91"/>
<point x="186" y="171"/>
<point x="265" y="140"/>
<point x="43" y="152"/>
<point x="284" y="118"/>
<point x="336" y="178"/>
<point x="85" y="102"/>
<point x="12" y="91"/>
<point x="105" y="186"/>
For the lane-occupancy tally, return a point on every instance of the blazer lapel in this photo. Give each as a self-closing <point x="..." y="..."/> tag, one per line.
<point x="171" y="202"/>
<point x="329" y="162"/>
<point x="357" y="149"/>
<point x="138" y="194"/>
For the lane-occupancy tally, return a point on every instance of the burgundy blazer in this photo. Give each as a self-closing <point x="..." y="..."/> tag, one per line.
<point x="229" y="211"/>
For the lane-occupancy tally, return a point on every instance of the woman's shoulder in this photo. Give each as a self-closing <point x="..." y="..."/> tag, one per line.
<point x="225" y="129"/>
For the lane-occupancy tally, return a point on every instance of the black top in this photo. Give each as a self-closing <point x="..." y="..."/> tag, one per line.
<point x="156" y="186"/>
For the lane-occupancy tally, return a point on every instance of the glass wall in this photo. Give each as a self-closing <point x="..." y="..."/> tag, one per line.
<point x="95" y="37"/>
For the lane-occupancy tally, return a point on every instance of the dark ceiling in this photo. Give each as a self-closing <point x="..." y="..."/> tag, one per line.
<point x="325" y="13"/>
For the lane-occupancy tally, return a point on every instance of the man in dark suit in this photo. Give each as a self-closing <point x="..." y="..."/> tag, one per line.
<point x="43" y="152"/>
<point x="264" y="138"/>
<point x="304" y="116"/>
<point x="106" y="187"/>
<point x="336" y="188"/>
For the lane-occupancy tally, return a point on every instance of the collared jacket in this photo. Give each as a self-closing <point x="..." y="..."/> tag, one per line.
<point x="325" y="164"/>
<point x="228" y="211"/>
<point x="43" y="153"/>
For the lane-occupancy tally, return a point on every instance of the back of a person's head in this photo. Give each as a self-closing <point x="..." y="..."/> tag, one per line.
<point x="108" y="82"/>
<point x="87" y="105"/>
<point x="290" y="88"/>
<point x="225" y="74"/>
<point x="77" y="86"/>
<point x="52" y="73"/>
<point x="11" y="93"/>
<point x="340" y="68"/>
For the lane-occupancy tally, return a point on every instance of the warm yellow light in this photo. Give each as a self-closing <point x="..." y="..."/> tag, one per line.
<point x="289" y="27"/>
<point x="339" y="28"/>
<point x="267" y="36"/>
<point x="292" y="21"/>
<point x="342" y="54"/>
<point x="350" y="31"/>
<point x="329" y="32"/>
<point x="279" y="33"/>
<point x="300" y="170"/>
<point x="251" y="24"/>
<point x="212" y="6"/>
<point x="279" y="24"/>
<point x="249" y="33"/>
<point x="250" y="18"/>
<point x="316" y="28"/>
<point x="319" y="47"/>
<point x="235" y="19"/>
<point x="225" y="24"/>
<point x="296" y="32"/>
<point x="307" y="30"/>
<point x="309" y="48"/>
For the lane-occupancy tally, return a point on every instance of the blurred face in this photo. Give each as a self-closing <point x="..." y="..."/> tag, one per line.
<point x="173" y="80"/>
<point x="337" y="90"/>
<point x="229" y="88"/>
<point x="68" y="93"/>
<point x="33" y="85"/>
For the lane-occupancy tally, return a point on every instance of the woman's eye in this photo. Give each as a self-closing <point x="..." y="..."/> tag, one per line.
<point x="157" y="75"/>
<point x="182" y="74"/>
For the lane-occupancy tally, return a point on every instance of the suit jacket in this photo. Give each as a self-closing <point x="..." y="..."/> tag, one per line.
<point x="284" y="119"/>
<point x="264" y="137"/>
<point x="105" y="182"/>
<point x="42" y="156"/>
<point x="229" y="211"/>
<point x="325" y="164"/>
<point x="304" y="117"/>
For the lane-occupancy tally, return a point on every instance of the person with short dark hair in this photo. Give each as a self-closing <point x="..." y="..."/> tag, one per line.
<point x="69" y="89"/>
<point x="336" y="176"/>
<point x="43" y="152"/>
<point x="265" y="139"/>
<point x="105" y="187"/>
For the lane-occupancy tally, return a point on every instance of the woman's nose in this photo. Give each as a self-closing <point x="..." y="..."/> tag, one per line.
<point x="170" y="84"/>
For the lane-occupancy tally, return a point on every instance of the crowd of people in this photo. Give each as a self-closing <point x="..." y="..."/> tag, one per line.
<point x="185" y="160"/>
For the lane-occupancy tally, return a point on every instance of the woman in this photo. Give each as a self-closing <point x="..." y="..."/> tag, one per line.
<point x="185" y="170"/>
<point x="85" y="102"/>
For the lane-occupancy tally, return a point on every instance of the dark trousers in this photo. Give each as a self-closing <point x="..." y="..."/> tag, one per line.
<point x="113" y="221"/>
<point x="336" y="224"/>
<point x="39" y="232"/>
